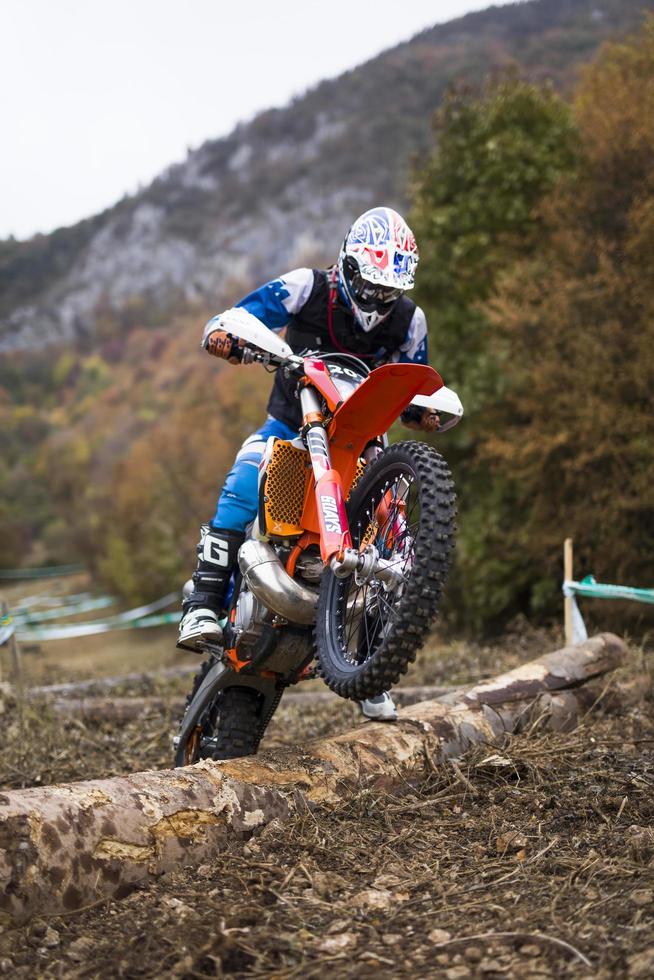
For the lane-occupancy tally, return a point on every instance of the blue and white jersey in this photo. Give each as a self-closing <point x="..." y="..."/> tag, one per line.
<point x="277" y="301"/>
<point x="414" y="348"/>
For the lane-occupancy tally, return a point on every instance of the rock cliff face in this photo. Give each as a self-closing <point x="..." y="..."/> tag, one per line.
<point x="282" y="189"/>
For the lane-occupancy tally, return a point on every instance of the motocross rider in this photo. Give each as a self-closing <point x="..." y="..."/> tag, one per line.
<point x="357" y="307"/>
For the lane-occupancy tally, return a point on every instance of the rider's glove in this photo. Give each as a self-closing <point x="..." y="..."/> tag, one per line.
<point x="223" y="344"/>
<point x="420" y="419"/>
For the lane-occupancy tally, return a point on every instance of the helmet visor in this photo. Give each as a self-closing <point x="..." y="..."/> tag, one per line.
<point x="369" y="295"/>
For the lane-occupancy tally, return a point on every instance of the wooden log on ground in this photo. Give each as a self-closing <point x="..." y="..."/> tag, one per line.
<point x="75" y="688"/>
<point x="128" y="709"/>
<point x="86" y="690"/>
<point x="64" y="847"/>
<point x="116" y="710"/>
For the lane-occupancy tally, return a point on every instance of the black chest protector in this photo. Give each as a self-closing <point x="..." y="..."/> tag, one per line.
<point x="309" y="330"/>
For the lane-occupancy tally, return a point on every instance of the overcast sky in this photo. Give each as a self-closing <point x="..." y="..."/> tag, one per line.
<point x="98" y="96"/>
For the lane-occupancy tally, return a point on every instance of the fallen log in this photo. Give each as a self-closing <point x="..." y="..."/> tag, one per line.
<point x="72" y="688"/>
<point x="128" y="709"/>
<point x="64" y="847"/>
<point x="86" y="690"/>
<point x="116" y="710"/>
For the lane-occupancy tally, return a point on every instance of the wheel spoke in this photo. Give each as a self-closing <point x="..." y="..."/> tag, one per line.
<point x="366" y="615"/>
<point x="365" y="623"/>
<point x="369" y="631"/>
<point x="391" y="609"/>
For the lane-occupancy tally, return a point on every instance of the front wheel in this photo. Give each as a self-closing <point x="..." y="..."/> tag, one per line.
<point x="369" y="631"/>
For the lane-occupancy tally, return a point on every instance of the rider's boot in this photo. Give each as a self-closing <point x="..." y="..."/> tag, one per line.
<point x="203" y="605"/>
<point x="381" y="708"/>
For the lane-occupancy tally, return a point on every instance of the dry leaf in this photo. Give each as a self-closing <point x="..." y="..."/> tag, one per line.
<point x="510" y="842"/>
<point x="336" y="944"/>
<point x="373" y="898"/>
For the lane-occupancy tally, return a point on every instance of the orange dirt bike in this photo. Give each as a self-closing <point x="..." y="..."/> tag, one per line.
<point x="343" y="568"/>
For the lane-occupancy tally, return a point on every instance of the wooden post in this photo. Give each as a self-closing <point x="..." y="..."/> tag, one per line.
<point x="567" y="602"/>
<point x="16" y="672"/>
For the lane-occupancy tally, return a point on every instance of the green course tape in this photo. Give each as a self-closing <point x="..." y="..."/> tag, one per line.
<point x="48" y="571"/>
<point x="90" y="629"/>
<point x="43" y="599"/>
<point x="591" y="589"/>
<point x="72" y="609"/>
<point x="161" y="619"/>
<point x="7" y="627"/>
<point x="130" y="619"/>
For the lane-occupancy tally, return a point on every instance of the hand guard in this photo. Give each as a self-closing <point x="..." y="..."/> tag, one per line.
<point x="420" y="419"/>
<point x="223" y="344"/>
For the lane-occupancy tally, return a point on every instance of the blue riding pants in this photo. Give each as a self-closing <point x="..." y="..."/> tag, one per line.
<point x="237" y="503"/>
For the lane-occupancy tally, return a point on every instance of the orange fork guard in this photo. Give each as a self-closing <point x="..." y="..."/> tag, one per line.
<point x="369" y="411"/>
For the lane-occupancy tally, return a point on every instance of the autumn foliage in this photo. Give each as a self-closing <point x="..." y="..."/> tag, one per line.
<point x="574" y="325"/>
<point x="125" y="456"/>
<point x="560" y="371"/>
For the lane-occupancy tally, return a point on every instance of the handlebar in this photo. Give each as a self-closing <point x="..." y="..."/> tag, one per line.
<point x="293" y="363"/>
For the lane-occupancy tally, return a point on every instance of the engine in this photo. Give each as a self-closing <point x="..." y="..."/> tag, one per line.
<point x="250" y="618"/>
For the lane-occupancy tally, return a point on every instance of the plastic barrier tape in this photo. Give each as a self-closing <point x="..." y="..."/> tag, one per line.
<point x="48" y="571"/>
<point x="591" y="589"/>
<point x="137" y="618"/>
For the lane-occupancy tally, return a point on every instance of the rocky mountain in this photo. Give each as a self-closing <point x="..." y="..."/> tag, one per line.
<point x="281" y="189"/>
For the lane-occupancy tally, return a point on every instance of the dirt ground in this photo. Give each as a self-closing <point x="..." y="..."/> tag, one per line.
<point x="533" y="860"/>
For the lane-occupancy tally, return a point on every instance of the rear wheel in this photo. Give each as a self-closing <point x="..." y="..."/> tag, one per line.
<point x="234" y="719"/>
<point x="368" y="632"/>
<point x="232" y="727"/>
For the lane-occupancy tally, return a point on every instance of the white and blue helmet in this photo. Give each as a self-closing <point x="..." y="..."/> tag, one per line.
<point x="377" y="263"/>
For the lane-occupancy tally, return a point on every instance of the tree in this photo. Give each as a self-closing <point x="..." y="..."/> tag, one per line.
<point x="477" y="210"/>
<point x="575" y="322"/>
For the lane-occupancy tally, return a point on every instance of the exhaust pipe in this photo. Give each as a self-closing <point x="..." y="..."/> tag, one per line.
<point x="267" y="578"/>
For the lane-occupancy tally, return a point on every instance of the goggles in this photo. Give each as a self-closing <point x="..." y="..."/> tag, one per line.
<point x="370" y="295"/>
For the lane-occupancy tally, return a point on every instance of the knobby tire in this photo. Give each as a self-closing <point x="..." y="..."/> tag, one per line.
<point x="234" y="720"/>
<point x="406" y="621"/>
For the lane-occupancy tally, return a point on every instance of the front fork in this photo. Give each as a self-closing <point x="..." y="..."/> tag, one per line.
<point x="335" y="538"/>
<point x="334" y="528"/>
